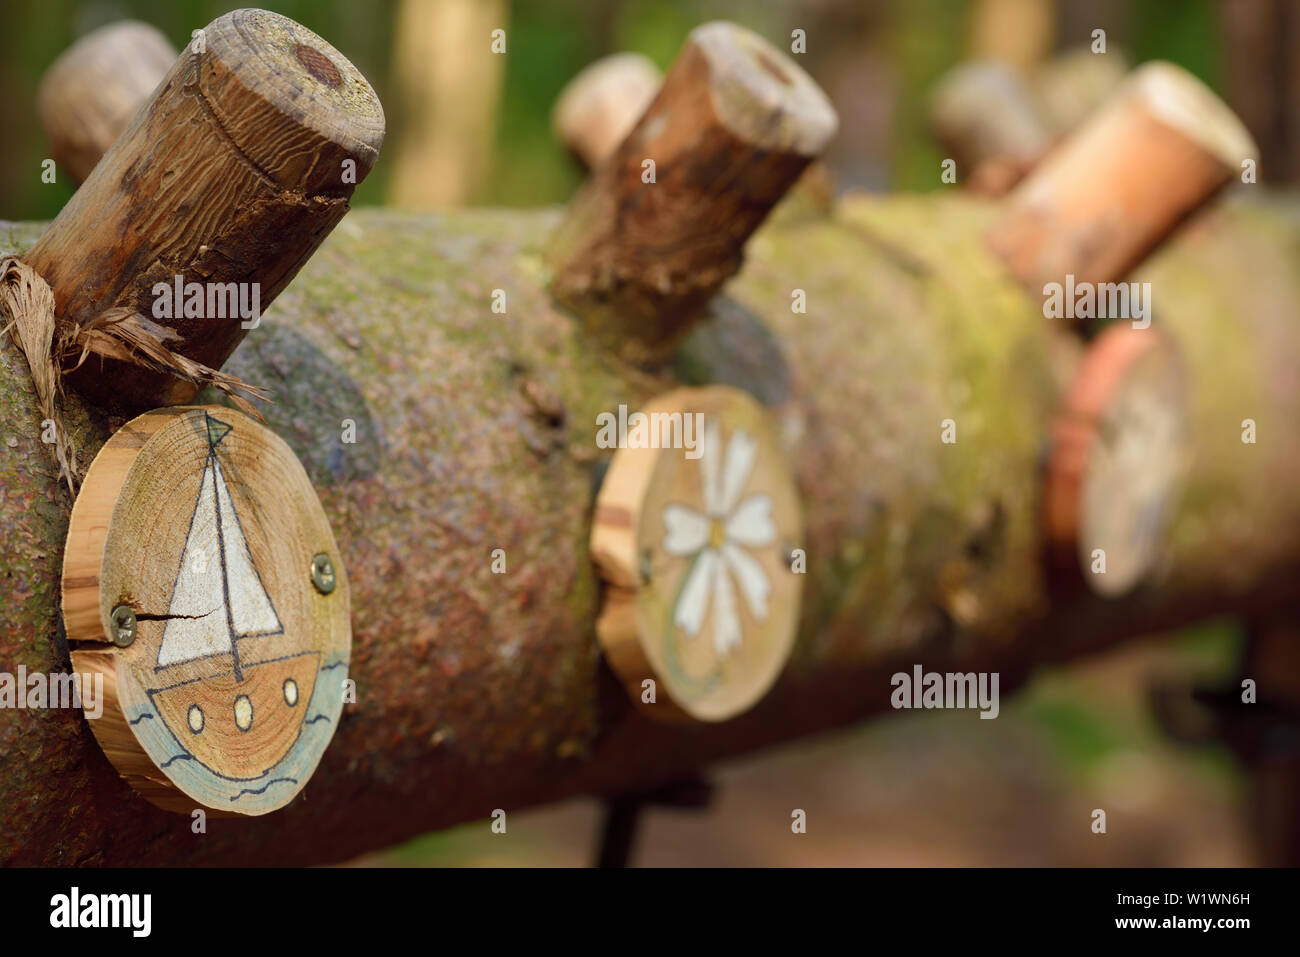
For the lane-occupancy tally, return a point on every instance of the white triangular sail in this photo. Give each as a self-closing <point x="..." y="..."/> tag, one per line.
<point x="197" y="621"/>
<point x="196" y="625"/>
<point x="250" y="606"/>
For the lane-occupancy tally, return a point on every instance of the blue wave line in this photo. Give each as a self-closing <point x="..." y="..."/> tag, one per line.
<point x="263" y="788"/>
<point x="314" y="718"/>
<point x="140" y="718"/>
<point x="177" y="757"/>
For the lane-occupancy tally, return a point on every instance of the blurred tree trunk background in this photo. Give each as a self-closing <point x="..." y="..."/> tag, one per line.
<point x="475" y="129"/>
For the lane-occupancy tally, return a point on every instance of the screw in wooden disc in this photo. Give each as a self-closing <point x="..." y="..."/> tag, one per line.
<point x="202" y="580"/>
<point x="1118" y="456"/>
<point x="696" y="553"/>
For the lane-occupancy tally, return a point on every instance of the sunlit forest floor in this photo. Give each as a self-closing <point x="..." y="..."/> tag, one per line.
<point x="939" y="789"/>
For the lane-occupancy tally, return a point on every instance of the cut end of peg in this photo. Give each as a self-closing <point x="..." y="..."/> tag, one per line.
<point x="761" y="95"/>
<point x="1112" y="192"/>
<point x="266" y="71"/>
<point x="661" y="224"/>
<point x="1182" y="102"/>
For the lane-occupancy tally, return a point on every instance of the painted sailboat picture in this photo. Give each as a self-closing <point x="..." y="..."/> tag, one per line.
<point x="218" y="610"/>
<point x="235" y="682"/>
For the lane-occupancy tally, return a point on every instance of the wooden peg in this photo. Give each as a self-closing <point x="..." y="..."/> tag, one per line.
<point x="697" y="544"/>
<point x="598" y="108"/>
<point x="1118" y="454"/>
<point x="202" y="581"/>
<point x="983" y="112"/>
<point x="1069" y="87"/>
<point x="1110" y="193"/>
<point x="90" y="94"/>
<point x="658" y="228"/>
<point x="231" y="176"/>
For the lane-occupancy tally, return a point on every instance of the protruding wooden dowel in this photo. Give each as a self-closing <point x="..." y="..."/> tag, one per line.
<point x="224" y="185"/>
<point x="1068" y="88"/>
<point x="598" y="108"/>
<point x="982" y="112"/>
<point x="1109" y="194"/>
<point x="661" y="224"/>
<point x="90" y="94"/>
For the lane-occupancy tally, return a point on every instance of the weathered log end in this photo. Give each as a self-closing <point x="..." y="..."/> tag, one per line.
<point x="661" y="225"/>
<point x="273" y="77"/>
<point x="1100" y="202"/>
<point x="234" y="172"/>
<point x="90" y="94"/>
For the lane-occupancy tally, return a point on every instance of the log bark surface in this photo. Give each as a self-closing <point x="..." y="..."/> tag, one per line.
<point x="476" y="430"/>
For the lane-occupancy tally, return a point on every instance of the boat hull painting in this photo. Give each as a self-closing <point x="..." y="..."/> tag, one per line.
<point x="213" y="720"/>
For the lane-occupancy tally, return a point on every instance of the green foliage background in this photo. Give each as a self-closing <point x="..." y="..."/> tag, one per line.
<point x="549" y="41"/>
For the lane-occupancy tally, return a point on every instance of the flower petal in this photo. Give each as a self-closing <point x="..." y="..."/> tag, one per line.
<point x="739" y="462"/>
<point x="726" y="620"/>
<point x="711" y="451"/>
<point x="751" y="578"/>
<point x="693" y="599"/>
<point x="751" y="523"/>
<point x="686" y="531"/>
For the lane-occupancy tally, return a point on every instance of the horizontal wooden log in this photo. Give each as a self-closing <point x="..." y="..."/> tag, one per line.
<point x="475" y="430"/>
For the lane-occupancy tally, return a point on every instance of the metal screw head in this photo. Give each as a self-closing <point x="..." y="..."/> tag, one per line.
<point x="122" y="625"/>
<point x="322" y="573"/>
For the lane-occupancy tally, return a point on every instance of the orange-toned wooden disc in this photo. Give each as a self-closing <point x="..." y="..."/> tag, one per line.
<point x="202" y="581"/>
<point x="698" y="547"/>
<point x="1117" y="458"/>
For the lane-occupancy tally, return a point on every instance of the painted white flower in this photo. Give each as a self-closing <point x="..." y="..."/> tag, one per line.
<point x="717" y="540"/>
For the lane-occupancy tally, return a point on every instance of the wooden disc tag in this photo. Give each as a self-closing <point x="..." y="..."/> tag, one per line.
<point x="1119" y="451"/>
<point x="697" y="545"/>
<point x="202" y="580"/>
